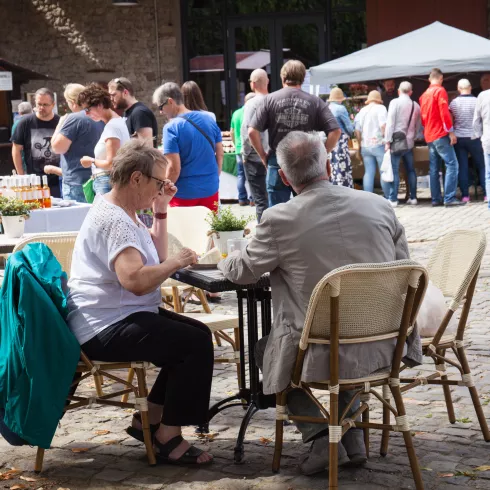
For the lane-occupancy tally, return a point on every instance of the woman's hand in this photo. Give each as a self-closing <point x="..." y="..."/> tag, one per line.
<point x="86" y="162"/>
<point x="164" y="197"/>
<point x="186" y="257"/>
<point x="52" y="169"/>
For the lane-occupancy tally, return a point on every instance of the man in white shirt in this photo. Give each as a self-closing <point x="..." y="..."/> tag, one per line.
<point x="403" y="117"/>
<point x="481" y="126"/>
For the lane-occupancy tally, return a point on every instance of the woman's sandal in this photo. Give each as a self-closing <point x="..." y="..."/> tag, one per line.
<point x="138" y="433"/>
<point x="188" y="458"/>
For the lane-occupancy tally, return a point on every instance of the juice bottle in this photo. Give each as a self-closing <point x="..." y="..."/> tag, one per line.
<point x="38" y="190"/>
<point x="26" y="190"/>
<point x="16" y="187"/>
<point x="46" y="193"/>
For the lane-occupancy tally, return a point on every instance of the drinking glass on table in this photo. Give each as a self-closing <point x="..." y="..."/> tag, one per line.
<point x="234" y="244"/>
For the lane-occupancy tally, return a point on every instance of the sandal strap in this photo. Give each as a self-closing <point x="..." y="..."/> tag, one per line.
<point x="168" y="447"/>
<point x="153" y="427"/>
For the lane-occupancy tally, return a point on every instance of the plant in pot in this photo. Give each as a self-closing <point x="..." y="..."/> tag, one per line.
<point x="225" y="226"/>
<point x="13" y="213"/>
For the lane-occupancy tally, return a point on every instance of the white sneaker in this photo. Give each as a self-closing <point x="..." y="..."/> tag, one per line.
<point x="412" y="202"/>
<point x="394" y="204"/>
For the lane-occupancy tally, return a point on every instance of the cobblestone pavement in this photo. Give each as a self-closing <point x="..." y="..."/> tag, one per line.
<point x="92" y="451"/>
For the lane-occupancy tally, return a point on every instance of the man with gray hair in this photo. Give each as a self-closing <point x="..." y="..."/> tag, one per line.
<point x="403" y="123"/>
<point x="463" y="111"/>
<point x="32" y="137"/>
<point x="255" y="170"/>
<point x="192" y="145"/>
<point x="324" y="227"/>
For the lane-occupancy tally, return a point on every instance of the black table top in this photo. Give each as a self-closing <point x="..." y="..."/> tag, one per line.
<point x="212" y="280"/>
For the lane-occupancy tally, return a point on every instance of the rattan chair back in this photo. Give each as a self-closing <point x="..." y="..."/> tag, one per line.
<point x="61" y="244"/>
<point x="371" y="302"/>
<point x="455" y="261"/>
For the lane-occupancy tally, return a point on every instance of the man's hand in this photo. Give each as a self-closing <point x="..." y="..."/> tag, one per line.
<point x="387" y="146"/>
<point x="264" y="160"/>
<point x="86" y="162"/>
<point x="186" y="257"/>
<point x="452" y="138"/>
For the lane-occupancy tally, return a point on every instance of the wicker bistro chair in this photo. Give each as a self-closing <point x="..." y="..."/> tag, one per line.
<point x="359" y="303"/>
<point x="87" y="368"/>
<point x="453" y="267"/>
<point x="61" y="244"/>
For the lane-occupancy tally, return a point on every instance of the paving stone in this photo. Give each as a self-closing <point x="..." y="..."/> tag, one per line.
<point x="147" y="482"/>
<point x="113" y="475"/>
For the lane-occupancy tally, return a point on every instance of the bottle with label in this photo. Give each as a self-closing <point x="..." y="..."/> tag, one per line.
<point x="38" y="190"/>
<point x="16" y="188"/>
<point x="26" y="190"/>
<point x="46" y="193"/>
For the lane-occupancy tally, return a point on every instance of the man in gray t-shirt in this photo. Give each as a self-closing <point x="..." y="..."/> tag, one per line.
<point x="289" y="109"/>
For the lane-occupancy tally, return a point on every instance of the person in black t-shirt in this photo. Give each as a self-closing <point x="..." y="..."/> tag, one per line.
<point x="140" y="120"/>
<point x="33" y="135"/>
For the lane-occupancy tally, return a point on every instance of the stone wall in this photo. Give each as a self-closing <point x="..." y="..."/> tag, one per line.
<point x="91" y="40"/>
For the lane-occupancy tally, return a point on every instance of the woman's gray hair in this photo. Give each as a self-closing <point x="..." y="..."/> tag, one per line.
<point x="135" y="156"/>
<point x="169" y="90"/>
<point x="24" y="108"/>
<point x="302" y="157"/>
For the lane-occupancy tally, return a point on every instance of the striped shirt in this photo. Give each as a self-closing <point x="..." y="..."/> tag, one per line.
<point x="463" y="109"/>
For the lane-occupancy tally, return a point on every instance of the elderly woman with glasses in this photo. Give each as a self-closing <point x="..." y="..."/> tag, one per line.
<point x="114" y="301"/>
<point x="96" y="102"/>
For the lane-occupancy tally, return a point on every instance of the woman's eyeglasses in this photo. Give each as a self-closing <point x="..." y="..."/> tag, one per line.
<point x="160" y="184"/>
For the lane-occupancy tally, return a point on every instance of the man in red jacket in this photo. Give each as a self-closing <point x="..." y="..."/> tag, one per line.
<point x="439" y="135"/>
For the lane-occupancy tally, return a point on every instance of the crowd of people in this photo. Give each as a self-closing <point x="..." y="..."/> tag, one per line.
<point x="81" y="146"/>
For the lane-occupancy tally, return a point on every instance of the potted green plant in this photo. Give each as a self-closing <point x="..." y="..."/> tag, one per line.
<point x="225" y="225"/>
<point x="13" y="213"/>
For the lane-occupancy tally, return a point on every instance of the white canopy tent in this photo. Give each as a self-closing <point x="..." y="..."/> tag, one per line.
<point x="416" y="53"/>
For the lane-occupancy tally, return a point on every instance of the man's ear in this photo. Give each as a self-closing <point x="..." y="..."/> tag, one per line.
<point x="283" y="178"/>
<point x="329" y="169"/>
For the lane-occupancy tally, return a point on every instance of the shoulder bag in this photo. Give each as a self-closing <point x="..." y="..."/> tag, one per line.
<point x="200" y="130"/>
<point x="399" y="143"/>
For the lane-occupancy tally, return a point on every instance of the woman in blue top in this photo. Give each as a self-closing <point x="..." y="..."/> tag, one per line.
<point x="341" y="163"/>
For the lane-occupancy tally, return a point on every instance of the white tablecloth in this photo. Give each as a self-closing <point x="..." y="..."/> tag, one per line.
<point x="57" y="219"/>
<point x="228" y="186"/>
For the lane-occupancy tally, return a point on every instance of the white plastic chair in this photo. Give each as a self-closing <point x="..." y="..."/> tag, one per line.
<point x="189" y="226"/>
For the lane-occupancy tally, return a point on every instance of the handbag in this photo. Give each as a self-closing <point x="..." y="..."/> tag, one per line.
<point x="200" y="130"/>
<point x="399" y="143"/>
<point x="88" y="190"/>
<point x="386" y="168"/>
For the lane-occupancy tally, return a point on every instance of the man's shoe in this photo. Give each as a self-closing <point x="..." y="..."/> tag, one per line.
<point x="437" y="204"/>
<point x="412" y="202"/>
<point x="353" y="441"/>
<point x="455" y="202"/>
<point x="243" y="203"/>
<point x="394" y="204"/>
<point x="318" y="457"/>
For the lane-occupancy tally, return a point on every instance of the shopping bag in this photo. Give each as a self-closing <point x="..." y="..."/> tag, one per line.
<point x="386" y="168"/>
<point x="88" y="191"/>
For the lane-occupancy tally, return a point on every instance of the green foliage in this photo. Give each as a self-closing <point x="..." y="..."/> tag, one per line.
<point x="15" y="207"/>
<point x="225" y="220"/>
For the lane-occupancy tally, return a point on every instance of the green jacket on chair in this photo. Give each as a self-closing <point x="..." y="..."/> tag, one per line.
<point x="38" y="352"/>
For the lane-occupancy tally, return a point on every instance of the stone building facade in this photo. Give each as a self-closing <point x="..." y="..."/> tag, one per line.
<point x="92" y="40"/>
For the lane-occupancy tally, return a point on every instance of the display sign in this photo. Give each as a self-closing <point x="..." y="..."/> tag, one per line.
<point x="6" y="81"/>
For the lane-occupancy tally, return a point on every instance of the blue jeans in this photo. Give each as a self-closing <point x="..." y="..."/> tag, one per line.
<point x="102" y="185"/>
<point x="462" y="148"/>
<point x="487" y="175"/>
<point x="412" y="176"/>
<point x="242" y="178"/>
<point x="371" y="156"/>
<point x="441" y="149"/>
<point x="277" y="191"/>
<point x="73" y="193"/>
